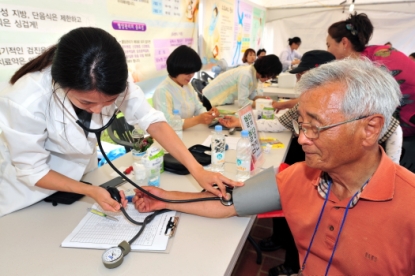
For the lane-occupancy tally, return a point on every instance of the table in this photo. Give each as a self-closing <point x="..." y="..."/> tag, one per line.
<point x="30" y="238"/>
<point x="275" y="92"/>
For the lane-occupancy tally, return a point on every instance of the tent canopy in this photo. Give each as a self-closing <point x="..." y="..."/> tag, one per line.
<point x="317" y="3"/>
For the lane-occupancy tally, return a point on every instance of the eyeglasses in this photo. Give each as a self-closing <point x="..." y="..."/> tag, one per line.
<point x="313" y="132"/>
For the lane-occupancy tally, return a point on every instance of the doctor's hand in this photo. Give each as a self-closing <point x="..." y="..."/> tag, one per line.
<point x="144" y="203"/>
<point x="207" y="179"/>
<point x="103" y="198"/>
<point x="230" y="121"/>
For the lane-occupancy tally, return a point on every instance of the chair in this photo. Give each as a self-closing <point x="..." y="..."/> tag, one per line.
<point x="206" y="77"/>
<point x="408" y="153"/>
<point x="123" y="131"/>
<point x="198" y="85"/>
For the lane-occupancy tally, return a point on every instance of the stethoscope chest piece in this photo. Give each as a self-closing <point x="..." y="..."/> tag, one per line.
<point x="228" y="201"/>
<point x="114" y="256"/>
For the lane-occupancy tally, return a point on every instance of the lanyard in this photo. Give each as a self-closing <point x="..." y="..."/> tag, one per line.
<point x="318" y="223"/>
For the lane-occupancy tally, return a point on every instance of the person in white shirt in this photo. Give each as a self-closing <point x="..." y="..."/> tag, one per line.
<point x="240" y="84"/>
<point x="290" y="56"/>
<point x="175" y="92"/>
<point x="84" y="78"/>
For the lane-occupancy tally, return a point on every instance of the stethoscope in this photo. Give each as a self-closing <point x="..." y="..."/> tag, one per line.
<point x="113" y="257"/>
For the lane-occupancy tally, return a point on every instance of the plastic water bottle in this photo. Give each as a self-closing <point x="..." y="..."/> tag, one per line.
<point x="243" y="157"/>
<point x="218" y="150"/>
<point x="176" y="123"/>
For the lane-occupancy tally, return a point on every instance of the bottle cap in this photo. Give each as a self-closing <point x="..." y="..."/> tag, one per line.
<point x="218" y="128"/>
<point x="244" y="133"/>
<point x="176" y="112"/>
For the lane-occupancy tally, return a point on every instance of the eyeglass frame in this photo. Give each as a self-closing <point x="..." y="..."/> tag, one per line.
<point x="298" y="126"/>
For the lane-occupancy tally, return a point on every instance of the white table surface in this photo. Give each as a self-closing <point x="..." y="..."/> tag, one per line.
<point x="275" y="92"/>
<point x="30" y="238"/>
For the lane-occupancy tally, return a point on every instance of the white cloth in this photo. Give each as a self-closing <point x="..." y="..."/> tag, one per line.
<point x="37" y="135"/>
<point x="287" y="56"/>
<point x="169" y="95"/>
<point x="393" y="146"/>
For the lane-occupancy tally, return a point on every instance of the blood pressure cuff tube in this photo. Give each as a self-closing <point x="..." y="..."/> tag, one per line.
<point x="259" y="194"/>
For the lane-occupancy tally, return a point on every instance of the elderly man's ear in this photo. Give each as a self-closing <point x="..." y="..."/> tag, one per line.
<point x="372" y="129"/>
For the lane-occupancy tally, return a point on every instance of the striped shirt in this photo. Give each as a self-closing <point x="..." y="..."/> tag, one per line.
<point x="169" y="96"/>
<point x="236" y="84"/>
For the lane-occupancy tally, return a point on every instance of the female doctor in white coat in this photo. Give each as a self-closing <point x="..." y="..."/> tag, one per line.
<point x="43" y="150"/>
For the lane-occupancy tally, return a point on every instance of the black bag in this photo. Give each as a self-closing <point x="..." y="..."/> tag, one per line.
<point x="64" y="197"/>
<point x="198" y="151"/>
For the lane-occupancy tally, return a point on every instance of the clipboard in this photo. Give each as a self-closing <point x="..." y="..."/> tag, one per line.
<point x="96" y="232"/>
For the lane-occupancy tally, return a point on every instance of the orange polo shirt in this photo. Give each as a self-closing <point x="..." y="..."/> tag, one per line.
<point x="378" y="236"/>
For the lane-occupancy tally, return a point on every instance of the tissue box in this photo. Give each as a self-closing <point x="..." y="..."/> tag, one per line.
<point x="286" y="80"/>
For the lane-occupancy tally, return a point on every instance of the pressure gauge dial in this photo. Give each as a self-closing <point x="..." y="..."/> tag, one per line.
<point x="113" y="257"/>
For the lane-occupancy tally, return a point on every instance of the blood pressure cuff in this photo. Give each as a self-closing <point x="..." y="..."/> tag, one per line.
<point x="259" y="194"/>
<point x="172" y="165"/>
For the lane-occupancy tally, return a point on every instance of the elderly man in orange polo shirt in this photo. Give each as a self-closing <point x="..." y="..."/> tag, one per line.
<point x="351" y="210"/>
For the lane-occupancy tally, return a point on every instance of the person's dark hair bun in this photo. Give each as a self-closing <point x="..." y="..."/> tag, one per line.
<point x="357" y="29"/>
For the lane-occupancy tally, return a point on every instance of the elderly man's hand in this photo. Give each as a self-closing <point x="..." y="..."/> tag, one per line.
<point x="145" y="203"/>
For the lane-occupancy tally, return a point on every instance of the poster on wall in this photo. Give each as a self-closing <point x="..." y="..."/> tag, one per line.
<point x="242" y="19"/>
<point x="148" y="30"/>
<point x="152" y="31"/>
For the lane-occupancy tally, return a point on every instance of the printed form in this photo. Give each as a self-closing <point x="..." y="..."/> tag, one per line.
<point x="101" y="233"/>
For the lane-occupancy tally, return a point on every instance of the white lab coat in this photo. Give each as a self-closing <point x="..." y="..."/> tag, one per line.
<point x="287" y="56"/>
<point x="38" y="135"/>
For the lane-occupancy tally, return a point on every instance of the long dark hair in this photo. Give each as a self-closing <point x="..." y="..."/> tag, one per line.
<point x="84" y="59"/>
<point x="357" y="29"/>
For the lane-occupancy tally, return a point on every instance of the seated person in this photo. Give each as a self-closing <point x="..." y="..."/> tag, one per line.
<point x="281" y="234"/>
<point x="392" y="138"/>
<point x="349" y="207"/>
<point x="249" y="57"/>
<point x="176" y="93"/>
<point x="261" y="53"/>
<point x="241" y="83"/>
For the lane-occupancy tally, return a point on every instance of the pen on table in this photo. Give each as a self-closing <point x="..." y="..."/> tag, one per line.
<point x="99" y="213"/>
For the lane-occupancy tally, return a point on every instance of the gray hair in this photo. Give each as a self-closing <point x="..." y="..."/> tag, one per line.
<point x="370" y="88"/>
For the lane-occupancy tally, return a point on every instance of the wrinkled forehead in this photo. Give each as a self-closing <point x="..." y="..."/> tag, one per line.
<point x="322" y="101"/>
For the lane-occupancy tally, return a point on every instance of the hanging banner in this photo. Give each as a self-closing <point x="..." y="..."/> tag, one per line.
<point x="244" y="20"/>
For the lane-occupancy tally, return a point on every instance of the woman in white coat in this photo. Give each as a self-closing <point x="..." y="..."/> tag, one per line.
<point x="42" y="149"/>
<point x="290" y="56"/>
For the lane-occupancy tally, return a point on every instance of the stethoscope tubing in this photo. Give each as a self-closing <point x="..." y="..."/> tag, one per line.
<point x="98" y="132"/>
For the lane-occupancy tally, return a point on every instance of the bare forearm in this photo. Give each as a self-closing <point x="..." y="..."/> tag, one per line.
<point x="284" y="104"/>
<point x="191" y="122"/>
<point x="58" y="182"/>
<point x="211" y="208"/>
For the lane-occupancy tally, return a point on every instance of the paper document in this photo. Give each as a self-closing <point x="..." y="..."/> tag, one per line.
<point x="230" y="141"/>
<point x="101" y="233"/>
